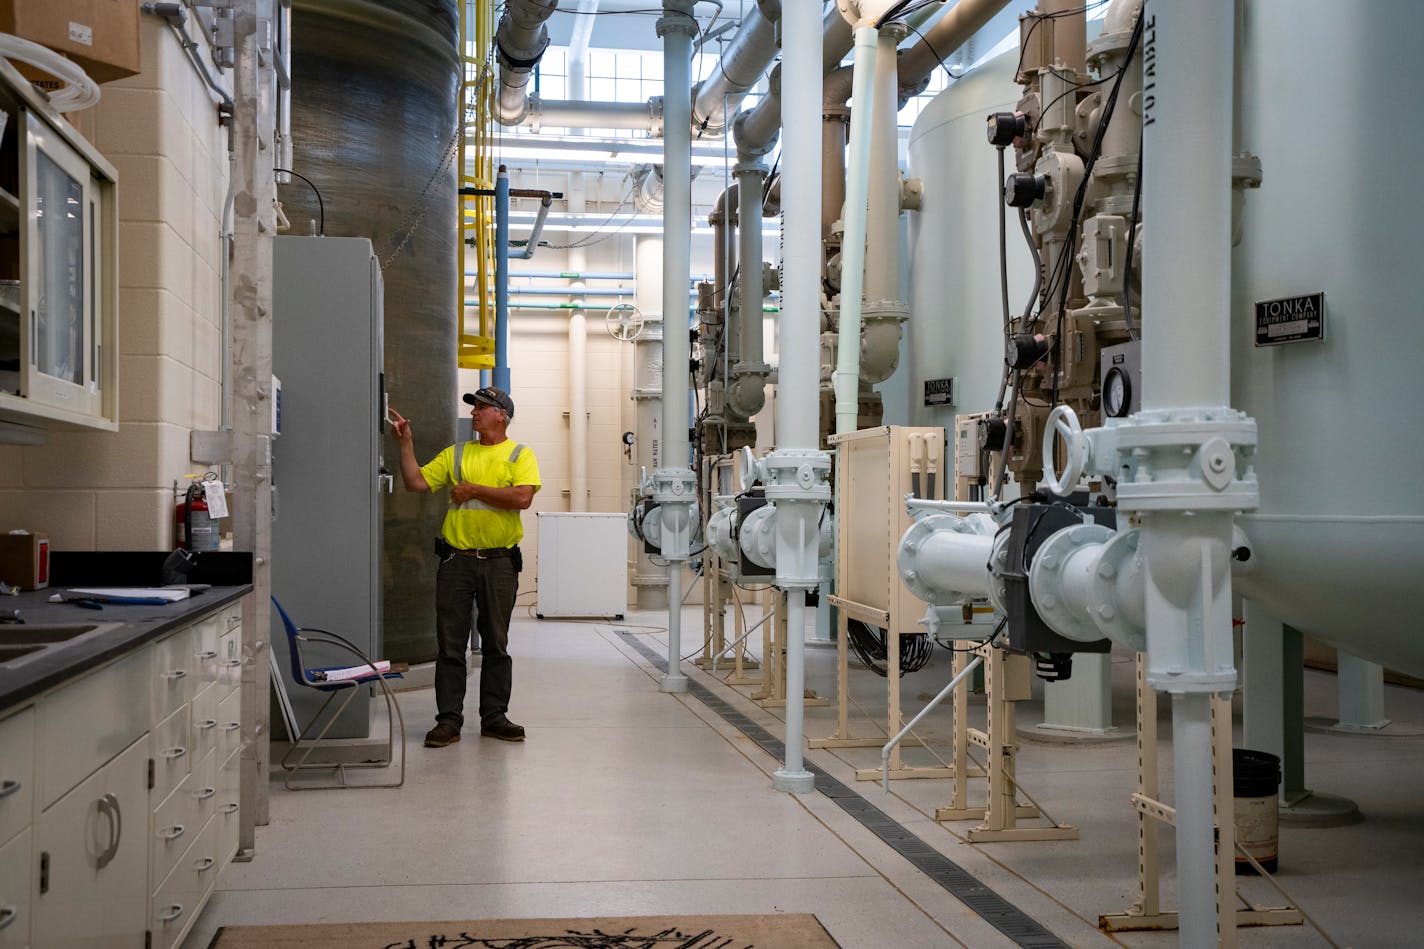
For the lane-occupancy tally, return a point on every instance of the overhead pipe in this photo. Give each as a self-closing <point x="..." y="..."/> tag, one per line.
<point x="739" y="68"/>
<point x="538" y="112"/>
<point x="952" y="31"/>
<point x="520" y="41"/>
<point x="837" y="38"/>
<point x="756" y="130"/>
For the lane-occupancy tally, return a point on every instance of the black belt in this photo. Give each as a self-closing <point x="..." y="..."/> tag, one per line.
<point x="484" y="553"/>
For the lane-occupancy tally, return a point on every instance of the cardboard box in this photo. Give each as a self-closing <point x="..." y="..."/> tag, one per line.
<point x="99" y="35"/>
<point x="24" y="560"/>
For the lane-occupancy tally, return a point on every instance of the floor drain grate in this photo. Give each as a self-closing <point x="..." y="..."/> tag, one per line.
<point x="998" y="912"/>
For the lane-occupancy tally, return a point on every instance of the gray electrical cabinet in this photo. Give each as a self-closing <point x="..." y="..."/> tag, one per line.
<point x="327" y="462"/>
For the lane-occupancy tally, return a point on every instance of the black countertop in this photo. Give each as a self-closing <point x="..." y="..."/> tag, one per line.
<point x="31" y="674"/>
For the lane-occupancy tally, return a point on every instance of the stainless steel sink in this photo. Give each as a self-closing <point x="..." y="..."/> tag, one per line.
<point x="46" y="633"/>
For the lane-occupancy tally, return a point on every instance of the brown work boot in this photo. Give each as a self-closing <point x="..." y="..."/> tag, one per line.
<point x="503" y="729"/>
<point x="441" y="735"/>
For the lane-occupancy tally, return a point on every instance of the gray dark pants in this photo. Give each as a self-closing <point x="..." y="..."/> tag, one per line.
<point x="486" y="587"/>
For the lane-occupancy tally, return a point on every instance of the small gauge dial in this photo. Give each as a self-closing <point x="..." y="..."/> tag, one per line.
<point x="1117" y="393"/>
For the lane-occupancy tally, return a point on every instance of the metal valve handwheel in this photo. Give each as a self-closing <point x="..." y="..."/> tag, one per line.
<point x="624" y="321"/>
<point x="1064" y="421"/>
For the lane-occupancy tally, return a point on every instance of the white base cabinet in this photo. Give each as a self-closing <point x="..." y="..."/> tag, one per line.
<point x="92" y="859"/>
<point x="119" y="795"/>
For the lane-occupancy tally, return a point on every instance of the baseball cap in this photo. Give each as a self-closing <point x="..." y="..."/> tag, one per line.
<point x="489" y="395"/>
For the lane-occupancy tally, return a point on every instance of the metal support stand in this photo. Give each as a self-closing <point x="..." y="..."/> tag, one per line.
<point x="1006" y="682"/>
<point x="773" y="681"/>
<point x="847" y="610"/>
<point x="1146" y="913"/>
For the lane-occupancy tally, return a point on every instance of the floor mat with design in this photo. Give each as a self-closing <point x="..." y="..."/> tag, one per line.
<point x="777" y="931"/>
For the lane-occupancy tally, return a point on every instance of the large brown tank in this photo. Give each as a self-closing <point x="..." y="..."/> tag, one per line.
<point x="375" y="107"/>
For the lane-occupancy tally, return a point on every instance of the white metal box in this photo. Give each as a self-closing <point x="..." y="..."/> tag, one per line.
<point x="583" y="564"/>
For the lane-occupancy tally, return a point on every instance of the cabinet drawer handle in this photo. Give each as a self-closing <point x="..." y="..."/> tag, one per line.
<point x="232" y="726"/>
<point x="206" y="793"/>
<point x="109" y="807"/>
<point x="176" y="674"/>
<point x="229" y="808"/>
<point x="171" y="833"/>
<point x="173" y="913"/>
<point x="7" y="915"/>
<point x="9" y="786"/>
<point x="207" y="723"/>
<point x="173" y="754"/>
<point x="233" y="663"/>
<point x="207" y="654"/>
<point x="204" y="865"/>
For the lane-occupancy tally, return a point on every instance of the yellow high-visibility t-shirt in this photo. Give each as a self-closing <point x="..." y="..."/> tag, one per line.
<point x="476" y="524"/>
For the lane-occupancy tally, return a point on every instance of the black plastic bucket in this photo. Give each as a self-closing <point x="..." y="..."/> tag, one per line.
<point x="1255" y="777"/>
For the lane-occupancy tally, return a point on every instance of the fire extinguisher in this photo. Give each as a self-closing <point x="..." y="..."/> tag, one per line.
<point x="195" y="526"/>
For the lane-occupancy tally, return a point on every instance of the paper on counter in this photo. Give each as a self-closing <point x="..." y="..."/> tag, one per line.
<point x="133" y="594"/>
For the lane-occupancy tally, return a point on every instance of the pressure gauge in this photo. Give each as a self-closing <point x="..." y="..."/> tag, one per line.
<point x="1117" y="393"/>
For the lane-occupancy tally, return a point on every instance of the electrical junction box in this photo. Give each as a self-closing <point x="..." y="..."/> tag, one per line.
<point x="583" y="564"/>
<point x="102" y="36"/>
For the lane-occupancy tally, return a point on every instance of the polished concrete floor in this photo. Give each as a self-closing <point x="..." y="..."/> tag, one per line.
<point x="628" y="801"/>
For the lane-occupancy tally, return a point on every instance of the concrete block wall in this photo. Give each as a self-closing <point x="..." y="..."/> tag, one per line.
<point x="114" y="490"/>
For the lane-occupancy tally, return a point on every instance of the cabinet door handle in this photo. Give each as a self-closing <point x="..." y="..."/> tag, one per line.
<point x="206" y="793"/>
<point x="233" y="663"/>
<point x="229" y="808"/>
<point x="174" y="911"/>
<point x="232" y="726"/>
<point x="109" y="807"/>
<point x="7" y="915"/>
<point x="9" y="786"/>
<point x="176" y="674"/>
<point x="204" y="865"/>
<point x="171" y="833"/>
<point x="173" y="754"/>
<point x="207" y="723"/>
<point x="207" y="654"/>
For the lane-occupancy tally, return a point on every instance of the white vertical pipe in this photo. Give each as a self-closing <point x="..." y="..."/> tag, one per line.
<point x="795" y="681"/>
<point x="1192" y="798"/>
<point x="1186" y="137"/>
<point x="847" y="375"/>
<point x="1186" y="278"/>
<point x="882" y="227"/>
<point x="677" y="228"/>
<point x="677" y="27"/>
<point x="798" y="400"/>
<point x="578" y="262"/>
<point x="799" y="326"/>
<point x="649" y="582"/>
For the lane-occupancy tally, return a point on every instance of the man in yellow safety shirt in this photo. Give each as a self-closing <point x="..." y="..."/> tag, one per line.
<point x="490" y="482"/>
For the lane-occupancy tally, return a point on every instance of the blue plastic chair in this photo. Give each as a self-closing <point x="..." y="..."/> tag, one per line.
<point x="316" y="677"/>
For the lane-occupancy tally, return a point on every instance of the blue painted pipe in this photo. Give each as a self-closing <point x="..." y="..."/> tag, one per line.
<point x="501" y="279"/>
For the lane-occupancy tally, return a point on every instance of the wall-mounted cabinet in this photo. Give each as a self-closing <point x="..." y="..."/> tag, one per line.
<point x="58" y="270"/>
